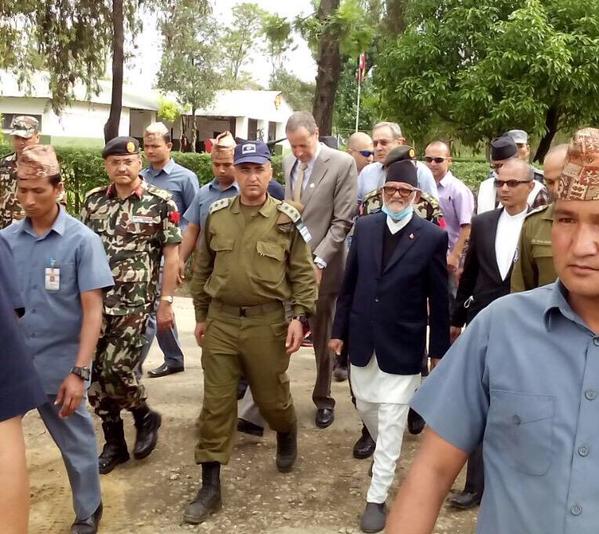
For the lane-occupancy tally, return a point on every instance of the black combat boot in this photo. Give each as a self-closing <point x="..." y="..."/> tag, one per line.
<point x="286" y="450"/>
<point x="115" y="449"/>
<point x="147" y="423"/>
<point x="208" y="500"/>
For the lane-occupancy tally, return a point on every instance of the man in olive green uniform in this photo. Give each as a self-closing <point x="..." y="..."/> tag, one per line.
<point x="24" y="132"/>
<point x="253" y="257"/>
<point x="534" y="259"/>
<point x="138" y="224"/>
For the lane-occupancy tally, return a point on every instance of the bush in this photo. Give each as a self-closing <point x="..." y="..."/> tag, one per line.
<point x="471" y="172"/>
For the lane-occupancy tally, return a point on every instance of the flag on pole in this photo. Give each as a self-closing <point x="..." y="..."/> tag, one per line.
<point x="361" y="73"/>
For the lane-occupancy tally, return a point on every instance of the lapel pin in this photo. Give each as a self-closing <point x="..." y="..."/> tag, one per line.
<point x="411" y="236"/>
<point x="311" y="185"/>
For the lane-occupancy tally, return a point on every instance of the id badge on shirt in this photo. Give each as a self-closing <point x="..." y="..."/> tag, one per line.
<point x="52" y="276"/>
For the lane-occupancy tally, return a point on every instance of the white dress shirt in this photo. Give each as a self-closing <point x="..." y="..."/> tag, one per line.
<point x="307" y="173"/>
<point x="506" y="240"/>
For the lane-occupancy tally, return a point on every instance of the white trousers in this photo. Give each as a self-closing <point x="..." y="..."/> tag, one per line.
<point x="386" y="424"/>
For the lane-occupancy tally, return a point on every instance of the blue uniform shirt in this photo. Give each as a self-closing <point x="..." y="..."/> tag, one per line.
<point x="178" y="181"/>
<point x="524" y="379"/>
<point x="53" y="318"/>
<point x="8" y="275"/>
<point x="208" y="194"/>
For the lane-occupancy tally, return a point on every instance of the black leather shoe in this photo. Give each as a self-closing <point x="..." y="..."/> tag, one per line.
<point x="164" y="370"/>
<point x="364" y="447"/>
<point x="415" y="422"/>
<point x="115" y="449"/>
<point x="340" y="374"/>
<point x="208" y="500"/>
<point x="324" y="417"/>
<point x="465" y="500"/>
<point x="247" y="427"/>
<point x="286" y="450"/>
<point x="373" y="517"/>
<point x="88" y="525"/>
<point x="147" y="423"/>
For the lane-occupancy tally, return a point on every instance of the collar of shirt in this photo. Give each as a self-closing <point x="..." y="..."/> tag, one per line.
<point x="58" y="226"/>
<point x="446" y="180"/>
<point x="310" y="164"/>
<point x="557" y="304"/>
<point x="138" y="191"/>
<point x="214" y="186"/>
<point x="395" y="227"/>
<point x="167" y="169"/>
<point x="268" y="209"/>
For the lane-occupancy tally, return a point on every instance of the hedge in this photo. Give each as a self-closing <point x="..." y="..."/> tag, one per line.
<point x="83" y="169"/>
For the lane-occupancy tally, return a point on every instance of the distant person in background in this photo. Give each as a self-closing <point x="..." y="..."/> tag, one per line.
<point x="520" y="137"/>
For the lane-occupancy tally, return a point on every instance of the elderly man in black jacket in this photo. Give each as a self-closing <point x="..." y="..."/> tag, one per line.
<point x="396" y="268"/>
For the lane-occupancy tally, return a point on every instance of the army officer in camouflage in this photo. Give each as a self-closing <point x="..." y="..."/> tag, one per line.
<point x="253" y="256"/>
<point x="138" y="224"/>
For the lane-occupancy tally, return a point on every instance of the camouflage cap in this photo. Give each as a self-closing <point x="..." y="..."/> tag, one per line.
<point x="37" y="161"/>
<point x="399" y="153"/>
<point x="24" y="126"/>
<point x="580" y="176"/>
<point x="121" y="146"/>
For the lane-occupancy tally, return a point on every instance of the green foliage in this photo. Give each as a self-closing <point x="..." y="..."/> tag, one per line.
<point x="277" y="31"/>
<point x="168" y="111"/>
<point x="470" y="171"/>
<point x="299" y="94"/>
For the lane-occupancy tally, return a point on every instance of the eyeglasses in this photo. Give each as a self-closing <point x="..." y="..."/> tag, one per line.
<point x="429" y="159"/>
<point x="404" y="192"/>
<point x="382" y="142"/>
<point x="366" y="153"/>
<point x="510" y="183"/>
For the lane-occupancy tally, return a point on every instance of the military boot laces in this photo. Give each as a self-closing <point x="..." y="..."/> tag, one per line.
<point x="115" y="449"/>
<point x="147" y="423"/>
<point x="286" y="450"/>
<point x="208" y="500"/>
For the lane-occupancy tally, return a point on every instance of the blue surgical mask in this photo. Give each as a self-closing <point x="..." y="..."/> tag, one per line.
<point x="398" y="215"/>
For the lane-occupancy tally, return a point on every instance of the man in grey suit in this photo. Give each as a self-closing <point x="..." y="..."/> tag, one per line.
<point x="324" y="181"/>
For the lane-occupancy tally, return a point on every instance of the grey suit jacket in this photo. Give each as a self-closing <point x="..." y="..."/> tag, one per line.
<point x="330" y="205"/>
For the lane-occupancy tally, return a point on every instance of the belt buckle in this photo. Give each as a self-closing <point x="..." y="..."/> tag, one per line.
<point x="242" y="312"/>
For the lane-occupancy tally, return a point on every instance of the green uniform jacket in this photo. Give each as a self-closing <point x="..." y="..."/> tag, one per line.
<point x="249" y="263"/>
<point x="534" y="265"/>
<point x="10" y="209"/>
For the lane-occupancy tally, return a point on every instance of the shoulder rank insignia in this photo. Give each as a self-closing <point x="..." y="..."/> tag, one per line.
<point x="292" y="214"/>
<point x="537" y="210"/>
<point x="101" y="189"/>
<point x="220" y="204"/>
<point x="157" y="191"/>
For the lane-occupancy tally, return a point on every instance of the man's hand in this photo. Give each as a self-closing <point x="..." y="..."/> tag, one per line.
<point x="435" y="362"/>
<point x="454" y="333"/>
<point x="199" y="333"/>
<point x="318" y="274"/>
<point x="336" y="345"/>
<point x="453" y="262"/>
<point x="164" y="316"/>
<point x="295" y="336"/>
<point x="181" y="273"/>
<point x="70" y="394"/>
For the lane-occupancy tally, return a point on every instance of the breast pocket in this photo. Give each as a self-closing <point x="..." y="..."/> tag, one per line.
<point x="271" y="257"/>
<point x="541" y="250"/>
<point x="520" y="428"/>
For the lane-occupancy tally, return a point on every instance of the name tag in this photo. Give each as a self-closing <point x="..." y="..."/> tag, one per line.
<point x="52" y="279"/>
<point x="142" y="219"/>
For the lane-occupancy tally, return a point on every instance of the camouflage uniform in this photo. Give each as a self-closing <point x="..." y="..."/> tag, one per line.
<point x="134" y="231"/>
<point x="10" y="209"/>
<point x="427" y="207"/>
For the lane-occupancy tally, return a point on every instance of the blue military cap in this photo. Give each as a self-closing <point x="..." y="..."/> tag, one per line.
<point x="121" y="146"/>
<point x="251" y="152"/>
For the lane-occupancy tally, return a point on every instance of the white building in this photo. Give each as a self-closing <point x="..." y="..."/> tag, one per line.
<point x="247" y="114"/>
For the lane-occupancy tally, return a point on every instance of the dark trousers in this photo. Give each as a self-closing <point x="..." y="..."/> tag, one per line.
<point x="475" y="476"/>
<point x="320" y="325"/>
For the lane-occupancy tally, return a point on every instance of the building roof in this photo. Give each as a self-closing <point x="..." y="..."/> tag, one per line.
<point x="264" y="105"/>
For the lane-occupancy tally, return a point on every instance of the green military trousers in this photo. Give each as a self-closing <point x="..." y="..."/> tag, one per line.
<point x="252" y="345"/>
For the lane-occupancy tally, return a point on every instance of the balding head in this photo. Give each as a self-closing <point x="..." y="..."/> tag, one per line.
<point x="553" y="165"/>
<point x="359" y="146"/>
<point x="437" y="157"/>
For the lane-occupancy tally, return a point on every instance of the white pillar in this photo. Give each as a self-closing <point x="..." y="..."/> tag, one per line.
<point x="241" y="127"/>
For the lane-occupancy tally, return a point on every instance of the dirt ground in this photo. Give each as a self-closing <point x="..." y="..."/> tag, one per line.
<point x="323" y="495"/>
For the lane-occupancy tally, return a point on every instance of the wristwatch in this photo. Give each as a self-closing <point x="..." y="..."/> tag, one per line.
<point x="81" y="372"/>
<point x="168" y="299"/>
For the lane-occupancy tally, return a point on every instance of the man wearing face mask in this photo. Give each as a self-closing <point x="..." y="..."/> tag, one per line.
<point x="393" y="253"/>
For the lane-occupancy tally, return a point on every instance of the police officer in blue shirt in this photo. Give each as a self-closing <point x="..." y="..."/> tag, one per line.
<point x="183" y="185"/>
<point x="62" y="270"/>
<point x="524" y="380"/>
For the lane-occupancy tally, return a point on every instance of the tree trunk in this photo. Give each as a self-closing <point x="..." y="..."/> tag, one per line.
<point x="194" y="131"/>
<point x="111" y="128"/>
<point x="329" y="69"/>
<point x="551" y="128"/>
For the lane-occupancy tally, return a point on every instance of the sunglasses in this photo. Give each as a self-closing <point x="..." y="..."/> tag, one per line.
<point x="429" y="159"/>
<point x="390" y="191"/>
<point x="366" y="153"/>
<point x="510" y="183"/>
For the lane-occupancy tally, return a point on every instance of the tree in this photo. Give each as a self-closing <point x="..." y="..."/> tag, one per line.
<point x="111" y="128"/>
<point x="299" y="94"/>
<point x="168" y="110"/>
<point x="278" y="33"/>
<point x="188" y="62"/>
<point x="476" y="69"/>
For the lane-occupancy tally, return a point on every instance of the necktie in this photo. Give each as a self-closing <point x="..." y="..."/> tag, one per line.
<point x="299" y="182"/>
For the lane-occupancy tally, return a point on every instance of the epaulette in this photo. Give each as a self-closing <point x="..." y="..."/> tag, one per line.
<point x="220" y="204"/>
<point x="290" y="212"/>
<point x="537" y="210"/>
<point x="160" y="193"/>
<point x="101" y="189"/>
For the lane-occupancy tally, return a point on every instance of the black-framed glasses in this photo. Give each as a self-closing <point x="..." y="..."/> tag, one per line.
<point x="510" y="183"/>
<point x="366" y="153"/>
<point x="430" y="159"/>
<point x="404" y="192"/>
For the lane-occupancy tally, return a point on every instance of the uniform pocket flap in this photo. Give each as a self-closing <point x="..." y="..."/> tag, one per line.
<point x="521" y="408"/>
<point x="219" y="244"/>
<point x="272" y="250"/>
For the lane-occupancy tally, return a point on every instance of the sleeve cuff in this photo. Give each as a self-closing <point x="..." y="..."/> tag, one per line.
<point x="320" y="262"/>
<point x="201" y="315"/>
